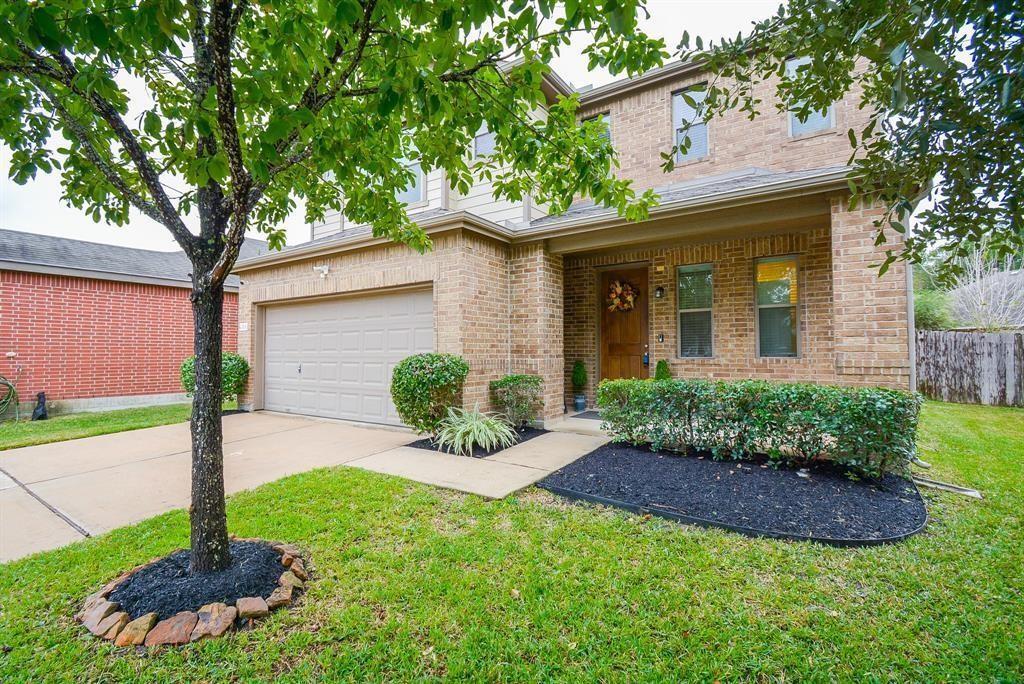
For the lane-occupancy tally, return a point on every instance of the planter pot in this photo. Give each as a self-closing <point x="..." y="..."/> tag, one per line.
<point x="580" y="401"/>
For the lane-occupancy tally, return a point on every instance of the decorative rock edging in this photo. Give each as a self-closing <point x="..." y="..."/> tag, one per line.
<point x="105" y="619"/>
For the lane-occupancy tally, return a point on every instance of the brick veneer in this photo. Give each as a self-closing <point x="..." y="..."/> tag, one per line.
<point x="80" y="338"/>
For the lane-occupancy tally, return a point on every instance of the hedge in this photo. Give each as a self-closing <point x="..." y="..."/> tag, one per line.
<point x="234" y="372"/>
<point x="518" y="397"/>
<point x="868" y="430"/>
<point x="424" y="386"/>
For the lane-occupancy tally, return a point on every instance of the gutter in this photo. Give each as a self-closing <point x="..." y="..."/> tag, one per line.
<point x="114" y="276"/>
<point x="645" y="80"/>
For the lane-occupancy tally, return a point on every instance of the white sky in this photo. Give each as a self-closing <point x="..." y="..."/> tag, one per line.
<point x="37" y="208"/>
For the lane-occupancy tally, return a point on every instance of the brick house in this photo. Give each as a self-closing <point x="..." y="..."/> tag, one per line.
<point x="752" y="266"/>
<point x="98" y="326"/>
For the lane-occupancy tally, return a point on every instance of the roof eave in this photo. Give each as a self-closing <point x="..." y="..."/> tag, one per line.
<point x="645" y="80"/>
<point x="113" y="276"/>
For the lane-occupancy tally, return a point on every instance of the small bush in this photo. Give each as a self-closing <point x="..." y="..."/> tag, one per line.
<point x="662" y="371"/>
<point x="234" y="372"/>
<point x="932" y="310"/>
<point x="579" y="376"/>
<point x="461" y="430"/>
<point x="518" y="397"/>
<point x="870" y="431"/>
<point x="424" y="386"/>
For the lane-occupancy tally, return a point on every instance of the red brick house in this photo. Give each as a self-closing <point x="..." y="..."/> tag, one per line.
<point x="752" y="266"/>
<point x="98" y="326"/>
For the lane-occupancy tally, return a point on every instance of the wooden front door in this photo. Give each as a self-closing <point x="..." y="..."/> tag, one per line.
<point x="624" y="333"/>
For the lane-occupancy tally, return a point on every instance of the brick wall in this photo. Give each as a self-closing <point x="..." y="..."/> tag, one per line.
<point x="642" y="129"/>
<point x="80" y="338"/>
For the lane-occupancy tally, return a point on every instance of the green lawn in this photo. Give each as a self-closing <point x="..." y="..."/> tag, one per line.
<point x="414" y="582"/>
<point x="75" y="425"/>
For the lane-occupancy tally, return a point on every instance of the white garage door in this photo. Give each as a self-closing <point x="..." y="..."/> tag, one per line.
<point x="333" y="358"/>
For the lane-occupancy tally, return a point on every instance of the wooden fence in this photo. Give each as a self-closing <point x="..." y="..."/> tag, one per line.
<point x="971" y="367"/>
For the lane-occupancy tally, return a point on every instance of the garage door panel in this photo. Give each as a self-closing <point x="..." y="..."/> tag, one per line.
<point x="347" y="350"/>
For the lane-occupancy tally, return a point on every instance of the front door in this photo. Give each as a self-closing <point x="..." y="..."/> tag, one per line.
<point x="623" y="327"/>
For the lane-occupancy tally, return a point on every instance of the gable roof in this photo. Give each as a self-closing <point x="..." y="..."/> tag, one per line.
<point x="23" y="251"/>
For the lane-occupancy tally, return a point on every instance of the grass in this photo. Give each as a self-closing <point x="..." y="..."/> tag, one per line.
<point x="413" y="582"/>
<point x="14" y="434"/>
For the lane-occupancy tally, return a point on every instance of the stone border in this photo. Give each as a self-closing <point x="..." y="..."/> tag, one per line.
<point x="106" y="620"/>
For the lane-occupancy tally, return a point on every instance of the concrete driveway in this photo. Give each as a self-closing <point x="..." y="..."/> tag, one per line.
<point x="56" y="494"/>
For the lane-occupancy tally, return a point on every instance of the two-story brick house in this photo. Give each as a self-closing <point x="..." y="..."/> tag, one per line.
<point x="750" y="267"/>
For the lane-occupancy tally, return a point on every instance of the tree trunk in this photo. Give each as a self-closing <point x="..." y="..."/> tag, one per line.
<point x="208" y="518"/>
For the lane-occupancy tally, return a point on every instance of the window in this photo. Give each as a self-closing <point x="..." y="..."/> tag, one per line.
<point x="414" y="192"/>
<point x="483" y="143"/>
<point x="817" y="121"/>
<point x="605" y="124"/>
<point x="776" y="286"/>
<point x="686" y="106"/>
<point x="694" y="300"/>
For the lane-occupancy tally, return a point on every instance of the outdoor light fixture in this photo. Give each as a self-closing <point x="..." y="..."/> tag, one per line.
<point x="659" y="293"/>
<point x="322" y="270"/>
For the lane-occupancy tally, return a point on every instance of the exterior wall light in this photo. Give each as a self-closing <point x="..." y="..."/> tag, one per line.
<point x="659" y="293"/>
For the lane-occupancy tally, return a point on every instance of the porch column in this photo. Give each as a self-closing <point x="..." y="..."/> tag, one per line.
<point x="870" y="316"/>
<point x="536" y="338"/>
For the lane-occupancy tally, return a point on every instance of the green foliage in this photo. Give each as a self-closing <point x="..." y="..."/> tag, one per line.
<point x="662" y="370"/>
<point x="425" y="386"/>
<point x="579" y="376"/>
<point x="519" y="397"/>
<point x="931" y="310"/>
<point x="462" y="430"/>
<point x="234" y="373"/>
<point x="315" y="101"/>
<point x="870" y="431"/>
<point x="944" y="83"/>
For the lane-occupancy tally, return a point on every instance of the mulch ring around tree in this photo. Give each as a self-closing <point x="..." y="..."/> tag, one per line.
<point x="753" y="497"/>
<point x="523" y="434"/>
<point x="160" y="603"/>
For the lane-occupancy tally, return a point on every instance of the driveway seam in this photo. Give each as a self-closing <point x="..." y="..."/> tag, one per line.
<point x="53" y="509"/>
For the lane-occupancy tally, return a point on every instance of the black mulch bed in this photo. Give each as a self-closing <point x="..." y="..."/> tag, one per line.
<point x="747" y="496"/>
<point x="166" y="587"/>
<point x="524" y="435"/>
<point x="231" y="412"/>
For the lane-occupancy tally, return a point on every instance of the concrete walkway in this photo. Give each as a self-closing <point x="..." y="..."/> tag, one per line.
<point x="55" y="494"/>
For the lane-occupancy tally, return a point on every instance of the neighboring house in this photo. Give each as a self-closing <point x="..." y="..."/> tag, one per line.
<point x="752" y="266"/>
<point x="98" y="326"/>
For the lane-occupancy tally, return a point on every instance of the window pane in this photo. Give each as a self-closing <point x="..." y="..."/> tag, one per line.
<point x="603" y="120"/>
<point x="776" y="282"/>
<point x="777" y="331"/>
<point x="414" y="192"/>
<point x="695" y="288"/>
<point x="483" y="144"/>
<point x="817" y="121"/>
<point x="684" y="112"/>
<point x="695" y="333"/>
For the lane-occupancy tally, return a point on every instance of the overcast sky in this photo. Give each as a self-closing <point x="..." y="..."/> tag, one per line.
<point x="36" y="207"/>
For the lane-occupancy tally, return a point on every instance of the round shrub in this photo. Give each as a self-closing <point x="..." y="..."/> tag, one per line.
<point x="234" y="372"/>
<point x="518" y="397"/>
<point x="424" y="386"/>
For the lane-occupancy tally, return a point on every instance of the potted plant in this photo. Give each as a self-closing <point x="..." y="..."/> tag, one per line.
<point x="579" y="384"/>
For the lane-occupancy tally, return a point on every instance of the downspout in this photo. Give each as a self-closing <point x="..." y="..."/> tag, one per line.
<point x="911" y="328"/>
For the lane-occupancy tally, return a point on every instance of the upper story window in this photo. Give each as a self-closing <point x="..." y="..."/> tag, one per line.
<point x="686" y="106"/>
<point x="606" y="124"/>
<point x="775" y="282"/>
<point x="483" y="143"/>
<point x="415" y="192"/>
<point x="694" y="290"/>
<point x="816" y="121"/>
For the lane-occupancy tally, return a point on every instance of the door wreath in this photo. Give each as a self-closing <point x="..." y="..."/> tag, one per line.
<point x="622" y="295"/>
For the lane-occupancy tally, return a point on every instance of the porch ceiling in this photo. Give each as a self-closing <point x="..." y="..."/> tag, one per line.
<point x="699" y="225"/>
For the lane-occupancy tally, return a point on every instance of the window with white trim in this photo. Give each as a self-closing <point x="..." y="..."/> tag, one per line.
<point x="694" y="292"/>
<point x="483" y="143"/>
<point x="686" y="109"/>
<point x="816" y="121"/>
<point x="415" y="192"/>
<point x="777" y="293"/>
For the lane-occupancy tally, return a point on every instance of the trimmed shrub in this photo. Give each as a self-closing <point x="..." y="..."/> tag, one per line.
<point x="234" y="372"/>
<point x="579" y="376"/>
<point x="462" y="430"/>
<point x="424" y="386"/>
<point x="518" y="397"/>
<point x="868" y="430"/>
<point x="662" y="371"/>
